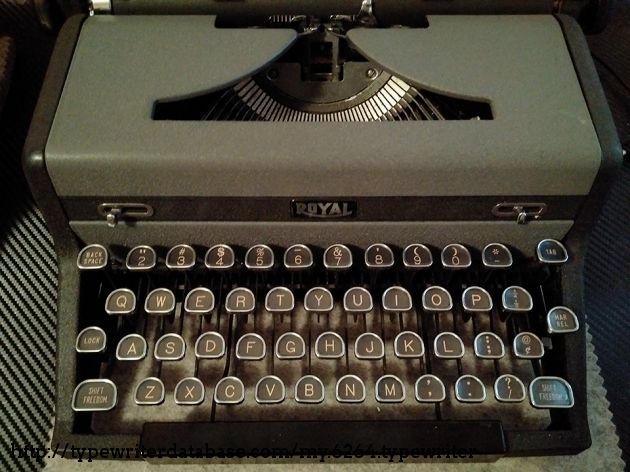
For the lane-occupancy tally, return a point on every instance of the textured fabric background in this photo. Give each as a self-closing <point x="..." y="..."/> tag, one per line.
<point x="28" y="274"/>
<point x="28" y="270"/>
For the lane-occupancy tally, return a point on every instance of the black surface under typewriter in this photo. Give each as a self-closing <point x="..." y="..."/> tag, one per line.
<point x="322" y="231"/>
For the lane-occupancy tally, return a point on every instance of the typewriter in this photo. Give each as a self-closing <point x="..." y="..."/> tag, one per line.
<point x="343" y="226"/>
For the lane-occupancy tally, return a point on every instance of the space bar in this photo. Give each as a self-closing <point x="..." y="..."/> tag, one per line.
<point x="335" y="438"/>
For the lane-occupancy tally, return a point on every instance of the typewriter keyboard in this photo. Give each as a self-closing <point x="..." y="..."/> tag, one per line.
<point x="227" y="333"/>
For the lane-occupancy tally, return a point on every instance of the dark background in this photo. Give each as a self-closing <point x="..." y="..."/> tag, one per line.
<point x="27" y="262"/>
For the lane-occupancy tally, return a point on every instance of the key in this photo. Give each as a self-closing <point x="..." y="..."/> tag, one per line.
<point x="455" y="256"/>
<point x="496" y="256"/>
<point x="550" y="392"/>
<point x="92" y="339"/>
<point x="417" y="256"/>
<point x="220" y="257"/>
<point x="189" y="391"/>
<point x="92" y="257"/>
<point x="121" y="301"/>
<point x="181" y="257"/>
<point x="229" y="391"/>
<point x="270" y="389"/>
<point x="149" y="391"/>
<point x="141" y="258"/>
<point x="509" y="389"/>
<point x="132" y="347"/>
<point x="94" y="395"/>
<point x="430" y="389"/>
<point x="379" y="256"/>
<point x="469" y="389"/>
<point x="550" y="251"/>
<point x="259" y="257"/>
<point x="389" y="389"/>
<point x="337" y="256"/>
<point x="160" y="301"/>
<point x="298" y="257"/>
<point x="350" y="389"/>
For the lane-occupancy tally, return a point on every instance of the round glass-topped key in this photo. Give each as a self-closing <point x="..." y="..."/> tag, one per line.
<point x="181" y="257"/>
<point x="430" y="389"/>
<point x="456" y="256"/>
<point x="160" y="301"/>
<point x="509" y="389"/>
<point x="337" y="257"/>
<point x="92" y="257"/>
<point x="489" y="346"/>
<point x="259" y="257"/>
<point x="448" y="346"/>
<point x="476" y="299"/>
<point x="550" y="251"/>
<point x="121" y="301"/>
<point x="189" y="391"/>
<point x="309" y="389"/>
<point x="149" y="391"/>
<point x="199" y="301"/>
<point x="270" y="389"/>
<point x="560" y="319"/>
<point x="469" y="389"/>
<point x="417" y="256"/>
<point x="396" y="299"/>
<point x="435" y="299"/>
<point x="350" y="389"/>
<point x="528" y="346"/>
<point x="329" y="345"/>
<point x="132" y="347"/>
<point x="240" y="300"/>
<point x="318" y="300"/>
<point x="496" y="256"/>
<point x="516" y="299"/>
<point x="229" y="391"/>
<point x="94" y="395"/>
<point x="92" y="339"/>
<point x="550" y="392"/>
<point x="170" y="347"/>
<point x="141" y="258"/>
<point x="210" y="345"/>
<point x="279" y="300"/>
<point x="220" y="257"/>
<point x="357" y="300"/>
<point x="389" y="389"/>
<point x="379" y="256"/>
<point x="298" y="257"/>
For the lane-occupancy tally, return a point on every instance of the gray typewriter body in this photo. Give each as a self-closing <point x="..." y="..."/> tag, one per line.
<point x="107" y="169"/>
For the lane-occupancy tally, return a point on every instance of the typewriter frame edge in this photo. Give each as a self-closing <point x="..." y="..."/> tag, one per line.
<point x="67" y="245"/>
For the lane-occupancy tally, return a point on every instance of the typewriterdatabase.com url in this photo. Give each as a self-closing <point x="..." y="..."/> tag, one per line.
<point x="179" y="451"/>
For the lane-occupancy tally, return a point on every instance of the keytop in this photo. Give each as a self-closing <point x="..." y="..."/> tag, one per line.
<point x="181" y="257"/>
<point x="270" y="389"/>
<point x="509" y="388"/>
<point x="469" y="389"/>
<point x="551" y="392"/>
<point x="561" y="320"/>
<point x="318" y="300"/>
<point x="337" y="257"/>
<point x="309" y="389"/>
<point x="229" y="391"/>
<point x="170" y="347"/>
<point x="92" y="339"/>
<point x="456" y="256"/>
<point x="357" y="300"/>
<point x="329" y="345"/>
<point x="259" y="257"/>
<point x="379" y="256"/>
<point x="189" y="391"/>
<point x="436" y="299"/>
<point x="132" y="347"/>
<point x="550" y="251"/>
<point x="476" y="299"/>
<point x="430" y="389"/>
<point x="141" y="258"/>
<point x="396" y="299"/>
<point x="210" y="345"/>
<point x="94" y="395"/>
<point x="417" y="256"/>
<point x="290" y="346"/>
<point x="408" y="345"/>
<point x="279" y="300"/>
<point x="160" y="301"/>
<point x="92" y="257"/>
<point x="448" y="346"/>
<point x="528" y="346"/>
<point x="496" y="256"/>
<point x="489" y="346"/>
<point x="199" y="301"/>
<point x="369" y="346"/>
<point x="220" y="257"/>
<point x="389" y="389"/>
<point x="150" y="391"/>
<point x="121" y="301"/>
<point x="350" y="389"/>
<point x="251" y="347"/>
<point x="240" y="300"/>
<point x="516" y="299"/>
<point x="298" y="257"/>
